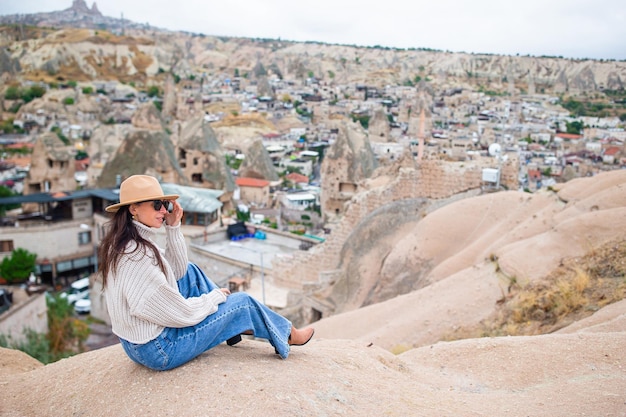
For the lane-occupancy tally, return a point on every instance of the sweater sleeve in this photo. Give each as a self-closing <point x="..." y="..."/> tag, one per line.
<point x="151" y="298"/>
<point x="176" y="250"/>
<point x="166" y="307"/>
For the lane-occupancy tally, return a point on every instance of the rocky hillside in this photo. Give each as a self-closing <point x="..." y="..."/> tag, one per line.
<point x="79" y="14"/>
<point x="505" y="263"/>
<point x="143" y="56"/>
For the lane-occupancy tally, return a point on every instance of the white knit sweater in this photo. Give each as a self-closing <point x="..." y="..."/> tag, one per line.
<point x="142" y="301"/>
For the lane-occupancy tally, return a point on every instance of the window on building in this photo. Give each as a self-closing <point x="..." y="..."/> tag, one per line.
<point x="84" y="238"/>
<point x="6" y="246"/>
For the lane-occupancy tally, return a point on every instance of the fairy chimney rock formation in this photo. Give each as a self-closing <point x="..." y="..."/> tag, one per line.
<point x="147" y="117"/>
<point x="348" y="161"/>
<point x="201" y="157"/>
<point x="146" y="149"/>
<point x="258" y="163"/>
<point x="169" y="97"/>
<point x="379" y="126"/>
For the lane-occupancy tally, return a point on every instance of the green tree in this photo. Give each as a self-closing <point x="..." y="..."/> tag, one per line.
<point x="6" y="192"/>
<point x="18" y="266"/>
<point x="575" y="127"/>
<point x="66" y="334"/>
<point x="60" y="135"/>
<point x="6" y="126"/>
<point x="243" y="216"/>
<point x="12" y="93"/>
<point x="35" y="346"/>
<point x="37" y="91"/>
<point x="153" y="91"/>
<point x="363" y="119"/>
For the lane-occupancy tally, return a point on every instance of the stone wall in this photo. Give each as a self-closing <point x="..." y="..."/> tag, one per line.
<point x="27" y="312"/>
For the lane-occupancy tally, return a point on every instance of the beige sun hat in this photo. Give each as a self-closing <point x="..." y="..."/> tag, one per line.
<point x="137" y="188"/>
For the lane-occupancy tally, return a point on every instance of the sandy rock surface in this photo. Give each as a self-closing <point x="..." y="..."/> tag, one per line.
<point x="568" y="375"/>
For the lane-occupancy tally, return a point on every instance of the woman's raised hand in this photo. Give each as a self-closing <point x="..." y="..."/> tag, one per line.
<point x="173" y="218"/>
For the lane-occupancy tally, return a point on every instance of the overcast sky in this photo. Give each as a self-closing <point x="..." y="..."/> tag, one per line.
<point x="568" y="28"/>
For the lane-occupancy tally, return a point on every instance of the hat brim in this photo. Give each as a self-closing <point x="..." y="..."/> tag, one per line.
<point x="115" y="207"/>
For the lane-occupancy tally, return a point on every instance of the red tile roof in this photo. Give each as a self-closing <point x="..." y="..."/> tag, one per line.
<point x="295" y="177"/>
<point x="251" y="182"/>
<point x="20" y="145"/>
<point x="534" y="174"/>
<point x="272" y="135"/>
<point x="568" y="135"/>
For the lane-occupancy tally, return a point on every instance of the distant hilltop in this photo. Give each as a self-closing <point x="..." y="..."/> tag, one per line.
<point x="79" y="15"/>
<point x="93" y="46"/>
<point x="79" y="6"/>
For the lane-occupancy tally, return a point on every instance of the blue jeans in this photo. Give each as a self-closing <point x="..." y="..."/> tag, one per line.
<point x="240" y="312"/>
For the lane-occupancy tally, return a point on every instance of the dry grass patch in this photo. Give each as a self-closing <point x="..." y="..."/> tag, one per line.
<point x="245" y="120"/>
<point x="24" y="32"/>
<point x="576" y="289"/>
<point x="99" y="37"/>
<point x="227" y="107"/>
<point x="401" y="348"/>
<point x="141" y="60"/>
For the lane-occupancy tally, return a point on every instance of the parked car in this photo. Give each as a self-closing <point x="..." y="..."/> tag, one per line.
<point x="6" y="299"/>
<point x="78" y="290"/>
<point x="82" y="306"/>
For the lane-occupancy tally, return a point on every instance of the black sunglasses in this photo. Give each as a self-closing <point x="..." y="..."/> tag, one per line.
<point x="157" y="204"/>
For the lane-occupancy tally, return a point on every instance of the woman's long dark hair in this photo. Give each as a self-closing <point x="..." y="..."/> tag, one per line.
<point x="118" y="232"/>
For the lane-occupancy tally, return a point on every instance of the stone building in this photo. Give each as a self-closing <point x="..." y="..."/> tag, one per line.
<point x="52" y="166"/>
<point x="254" y="191"/>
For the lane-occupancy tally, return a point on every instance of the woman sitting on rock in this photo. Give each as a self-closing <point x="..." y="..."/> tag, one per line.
<point x="165" y="310"/>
